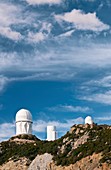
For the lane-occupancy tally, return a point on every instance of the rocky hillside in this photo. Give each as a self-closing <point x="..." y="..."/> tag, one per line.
<point x="84" y="147"/>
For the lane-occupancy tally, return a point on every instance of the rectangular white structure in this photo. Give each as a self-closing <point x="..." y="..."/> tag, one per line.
<point x="51" y="133"/>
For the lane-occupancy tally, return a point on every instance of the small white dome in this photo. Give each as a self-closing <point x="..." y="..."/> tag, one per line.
<point x="23" y="115"/>
<point x="88" y="120"/>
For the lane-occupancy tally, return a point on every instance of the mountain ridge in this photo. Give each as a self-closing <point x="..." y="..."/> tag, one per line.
<point x="84" y="146"/>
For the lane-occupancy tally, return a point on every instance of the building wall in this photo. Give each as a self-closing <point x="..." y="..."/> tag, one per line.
<point x="51" y="133"/>
<point x="23" y="127"/>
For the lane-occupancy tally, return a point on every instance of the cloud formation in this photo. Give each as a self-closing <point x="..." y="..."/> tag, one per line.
<point x="82" y="21"/>
<point x="3" y="82"/>
<point x="8" y="17"/>
<point x="36" y="37"/>
<point x="13" y="35"/>
<point x="7" y="130"/>
<point x="54" y="61"/>
<point x="67" y="34"/>
<point x="105" y="118"/>
<point x="104" y="98"/>
<point x="70" y="108"/>
<point x="41" y="35"/>
<point x="97" y="90"/>
<point x="40" y="125"/>
<point x="42" y="2"/>
<point x="102" y="82"/>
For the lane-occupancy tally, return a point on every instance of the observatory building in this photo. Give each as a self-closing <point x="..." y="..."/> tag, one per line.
<point x="51" y="133"/>
<point x="88" y="120"/>
<point x="23" y="122"/>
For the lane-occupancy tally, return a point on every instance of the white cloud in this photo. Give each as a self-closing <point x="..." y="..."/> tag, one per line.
<point x="105" y="118"/>
<point x="36" y="37"/>
<point x="11" y="14"/>
<point x="16" y="15"/>
<point x="57" y="63"/>
<point x="97" y="90"/>
<point x="7" y="32"/>
<point x="3" y="82"/>
<point x="7" y="130"/>
<point x="70" y="108"/>
<point x="67" y="34"/>
<point x="8" y="16"/>
<point x="82" y="21"/>
<point x="9" y="61"/>
<point x="95" y="55"/>
<point x="104" y="98"/>
<point x="47" y="27"/>
<point x="7" y="12"/>
<point x="41" y="35"/>
<point x="40" y="125"/>
<point x="41" y="2"/>
<point x="104" y="82"/>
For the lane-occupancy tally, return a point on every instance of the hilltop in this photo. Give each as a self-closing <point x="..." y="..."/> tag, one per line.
<point x="86" y="147"/>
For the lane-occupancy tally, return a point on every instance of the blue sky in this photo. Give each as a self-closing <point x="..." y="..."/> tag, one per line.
<point x="55" y="60"/>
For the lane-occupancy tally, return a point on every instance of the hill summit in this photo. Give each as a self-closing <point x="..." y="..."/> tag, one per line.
<point x="84" y="147"/>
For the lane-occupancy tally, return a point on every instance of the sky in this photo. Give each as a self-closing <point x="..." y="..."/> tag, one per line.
<point x="55" y="61"/>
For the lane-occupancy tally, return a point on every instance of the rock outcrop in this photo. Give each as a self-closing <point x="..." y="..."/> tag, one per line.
<point x="41" y="162"/>
<point x="88" y="163"/>
<point x="21" y="164"/>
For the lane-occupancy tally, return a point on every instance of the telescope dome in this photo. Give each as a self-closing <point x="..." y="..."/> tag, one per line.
<point x="23" y="115"/>
<point x="88" y="120"/>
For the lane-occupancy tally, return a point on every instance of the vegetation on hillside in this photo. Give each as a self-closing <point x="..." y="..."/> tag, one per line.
<point x="63" y="149"/>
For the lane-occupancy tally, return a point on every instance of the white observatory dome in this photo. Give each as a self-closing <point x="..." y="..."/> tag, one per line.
<point x="23" y="122"/>
<point x="88" y="120"/>
<point x="23" y="115"/>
